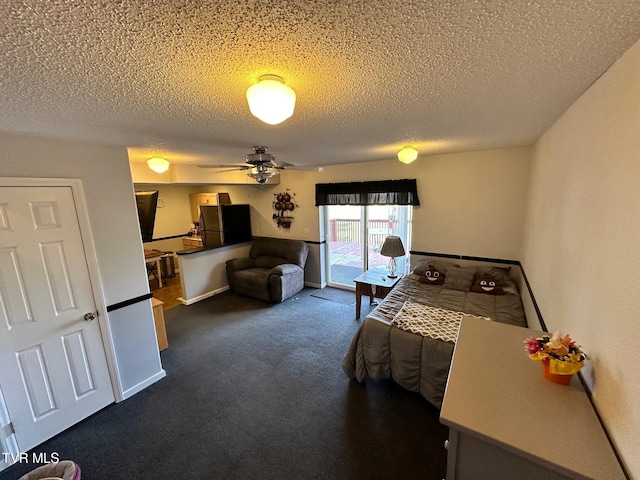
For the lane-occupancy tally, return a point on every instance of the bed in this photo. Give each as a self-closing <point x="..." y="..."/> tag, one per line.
<point x="410" y="336"/>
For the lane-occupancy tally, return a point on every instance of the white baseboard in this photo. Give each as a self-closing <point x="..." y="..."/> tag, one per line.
<point x="144" y="384"/>
<point x="315" y="285"/>
<point x="191" y="301"/>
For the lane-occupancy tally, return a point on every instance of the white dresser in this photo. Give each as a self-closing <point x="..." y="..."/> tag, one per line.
<point x="507" y="421"/>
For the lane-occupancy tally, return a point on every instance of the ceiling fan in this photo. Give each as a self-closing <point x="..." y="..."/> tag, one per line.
<point x="262" y="164"/>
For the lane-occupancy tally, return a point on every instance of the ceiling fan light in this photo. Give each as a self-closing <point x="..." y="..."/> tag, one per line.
<point x="407" y="154"/>
<point x="158" y="164"/>
<point x="271" y="100"/>
<point x="261" y="176"/>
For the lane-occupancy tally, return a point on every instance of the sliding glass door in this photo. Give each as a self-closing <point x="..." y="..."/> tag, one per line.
<point x="355" y="237"/>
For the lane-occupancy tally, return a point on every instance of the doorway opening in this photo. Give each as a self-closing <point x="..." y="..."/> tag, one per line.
<point x="355" y="235"/>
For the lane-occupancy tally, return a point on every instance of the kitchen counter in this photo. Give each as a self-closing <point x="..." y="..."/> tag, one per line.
<point x="191" y="250"/>
<point x="203" y="270"/>
<point x="192" y="242"/>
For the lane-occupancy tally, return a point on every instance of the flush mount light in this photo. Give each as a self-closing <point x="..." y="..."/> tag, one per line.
<point x="407" y="154"/>
<point x="158" y="164"/>
<point x="271" y="100"/>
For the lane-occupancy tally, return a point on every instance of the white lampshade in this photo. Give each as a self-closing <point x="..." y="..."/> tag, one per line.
<point x="158" y="164"/>
<point x="407" y="154"/>
<point x="271" y="100"/>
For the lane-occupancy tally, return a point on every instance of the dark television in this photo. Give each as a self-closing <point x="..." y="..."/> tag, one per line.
<point x="147" y="202"/>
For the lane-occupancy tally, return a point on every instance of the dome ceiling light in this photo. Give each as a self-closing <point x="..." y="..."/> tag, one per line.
<point x="408" y="154"/>
<point x="158" y="164"/>
<point x="271" y="100"/>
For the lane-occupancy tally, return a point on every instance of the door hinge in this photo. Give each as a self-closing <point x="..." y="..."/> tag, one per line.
<point x="9" y="429"/>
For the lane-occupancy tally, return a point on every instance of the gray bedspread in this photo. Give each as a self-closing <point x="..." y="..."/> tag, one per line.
<point x="418" y="363"/>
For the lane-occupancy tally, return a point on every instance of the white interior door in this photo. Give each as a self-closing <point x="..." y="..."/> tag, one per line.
<point x="54" y="371"/>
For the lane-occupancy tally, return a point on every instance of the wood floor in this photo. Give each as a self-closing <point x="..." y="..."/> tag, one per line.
<point x="169" y="293"/>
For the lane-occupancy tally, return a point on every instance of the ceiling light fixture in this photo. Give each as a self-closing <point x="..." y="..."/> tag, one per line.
<point x="158" y="164"/>
<point x="261" y="173"/>
<point x="271" y="100"/>
<point x="262" y="177"/>
<point x="408" y="154"/>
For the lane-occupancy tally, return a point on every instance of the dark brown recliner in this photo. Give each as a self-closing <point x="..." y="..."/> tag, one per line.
<point x="274" y="270"/>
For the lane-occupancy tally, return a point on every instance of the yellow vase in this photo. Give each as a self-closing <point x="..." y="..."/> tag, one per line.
<point x="562" y="379"/>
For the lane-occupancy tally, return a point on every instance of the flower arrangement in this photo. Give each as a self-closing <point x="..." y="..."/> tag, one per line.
<point x="565" y="357"/>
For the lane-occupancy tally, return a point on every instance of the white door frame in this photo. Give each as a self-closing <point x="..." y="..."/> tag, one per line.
<point x="405" y="221"/>
<point x="92" y="262"/>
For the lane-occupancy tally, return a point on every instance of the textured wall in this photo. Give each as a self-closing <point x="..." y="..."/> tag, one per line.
<point x="169" y="77"/>
<point x="582" y="253"/>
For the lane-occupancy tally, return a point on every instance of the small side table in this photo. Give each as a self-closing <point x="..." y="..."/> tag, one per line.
<point x="152" y="257"/>
<point x="366" y="282"/>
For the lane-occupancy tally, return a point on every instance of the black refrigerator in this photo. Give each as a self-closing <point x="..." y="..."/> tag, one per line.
<point x="224" y="224"/>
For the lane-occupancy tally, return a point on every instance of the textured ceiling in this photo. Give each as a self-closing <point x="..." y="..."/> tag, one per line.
<point x="169" y="77"/>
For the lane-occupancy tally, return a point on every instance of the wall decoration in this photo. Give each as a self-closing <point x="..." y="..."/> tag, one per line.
<point x="284" y="203"/>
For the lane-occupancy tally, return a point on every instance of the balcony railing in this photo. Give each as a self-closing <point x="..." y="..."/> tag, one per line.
<point x="347" y="230"/>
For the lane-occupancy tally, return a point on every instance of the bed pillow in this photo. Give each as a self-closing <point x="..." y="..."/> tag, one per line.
<point x="499" y="274"/>
<point x="459" y="278"/>
<point x="502" y="276"/>
<point x="487" y="284"/>
<point x="432" y="276"/>
<point x="441" y="265"/>
<point x="510" y="288"/>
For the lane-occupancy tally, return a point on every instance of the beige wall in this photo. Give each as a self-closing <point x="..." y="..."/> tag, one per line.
<point x="174" y="218"/>
<point x="471" y="203"/>
<point x="106" y="181"/>
<point x="582" y="241"/>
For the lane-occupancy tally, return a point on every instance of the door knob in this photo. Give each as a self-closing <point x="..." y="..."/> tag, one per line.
<point x="88" y="317"/>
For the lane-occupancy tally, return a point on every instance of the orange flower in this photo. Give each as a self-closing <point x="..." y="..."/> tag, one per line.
<point x="559" y="346"/>
<point x="559" y="350"/>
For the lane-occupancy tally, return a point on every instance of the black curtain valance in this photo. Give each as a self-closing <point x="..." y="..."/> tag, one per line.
<point x="385" y="192"/>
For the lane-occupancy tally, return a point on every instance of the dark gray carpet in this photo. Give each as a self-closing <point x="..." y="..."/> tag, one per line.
<point x="345" y="297"/>
<point x="345" y="274"/>
<point x="257" y="391"/>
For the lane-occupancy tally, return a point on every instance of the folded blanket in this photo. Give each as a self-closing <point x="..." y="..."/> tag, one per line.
<point x="428" y="321"/>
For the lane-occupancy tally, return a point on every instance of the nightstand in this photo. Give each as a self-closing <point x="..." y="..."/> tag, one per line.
<point x="374" y="283"/>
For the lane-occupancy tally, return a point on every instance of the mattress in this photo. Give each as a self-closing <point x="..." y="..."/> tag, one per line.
<point x="380" y="350"/>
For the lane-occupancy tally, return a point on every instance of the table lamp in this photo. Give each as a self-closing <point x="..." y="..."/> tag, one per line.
<point x="393" y="248"/>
